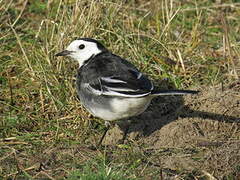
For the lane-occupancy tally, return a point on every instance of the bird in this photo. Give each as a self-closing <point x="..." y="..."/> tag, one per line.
<point x="109" y="86"/>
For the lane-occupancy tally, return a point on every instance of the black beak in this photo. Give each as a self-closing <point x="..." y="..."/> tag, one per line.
<point x="63" y="53"/>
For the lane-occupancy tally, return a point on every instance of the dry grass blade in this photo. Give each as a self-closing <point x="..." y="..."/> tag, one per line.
<point x="22" y="49"/>
<point x="228" y="47"/>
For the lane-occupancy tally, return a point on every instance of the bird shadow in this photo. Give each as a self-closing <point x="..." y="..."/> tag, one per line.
<point x="164" y="110"/>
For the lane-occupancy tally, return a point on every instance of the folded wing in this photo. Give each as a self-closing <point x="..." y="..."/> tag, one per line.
<point x="133" y="85"/>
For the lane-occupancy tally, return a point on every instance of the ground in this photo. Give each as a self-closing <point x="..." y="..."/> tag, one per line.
<point x="45" y="133"/>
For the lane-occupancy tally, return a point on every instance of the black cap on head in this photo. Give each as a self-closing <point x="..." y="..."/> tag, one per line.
<point x="99" y="45"/>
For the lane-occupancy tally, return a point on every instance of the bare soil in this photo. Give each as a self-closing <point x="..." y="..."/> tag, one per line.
<point x="191" y="132"/>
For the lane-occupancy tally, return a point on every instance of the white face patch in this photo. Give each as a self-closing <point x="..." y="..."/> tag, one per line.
<point x="82" y="50"/>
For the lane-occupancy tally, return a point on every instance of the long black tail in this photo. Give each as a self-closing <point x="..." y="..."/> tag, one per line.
<point x="172" y="92"/>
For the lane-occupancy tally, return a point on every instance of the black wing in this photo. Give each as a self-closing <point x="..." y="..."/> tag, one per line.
<point x="108" y="74"/>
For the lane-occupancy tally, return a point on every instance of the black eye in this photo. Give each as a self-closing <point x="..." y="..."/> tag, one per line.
<point x="82" y="46"/>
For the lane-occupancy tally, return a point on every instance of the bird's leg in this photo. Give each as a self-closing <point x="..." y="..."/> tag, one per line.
<point x="125" y="133"/>
<point x="107" y="124"/>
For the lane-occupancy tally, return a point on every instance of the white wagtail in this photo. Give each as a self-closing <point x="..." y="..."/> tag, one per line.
<point x="108" y="86"/>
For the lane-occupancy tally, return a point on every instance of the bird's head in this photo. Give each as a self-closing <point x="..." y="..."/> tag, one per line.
<point x="82" y="49"/>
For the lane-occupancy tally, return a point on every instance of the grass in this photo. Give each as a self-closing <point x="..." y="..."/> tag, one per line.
<point x="44" y="131"/>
